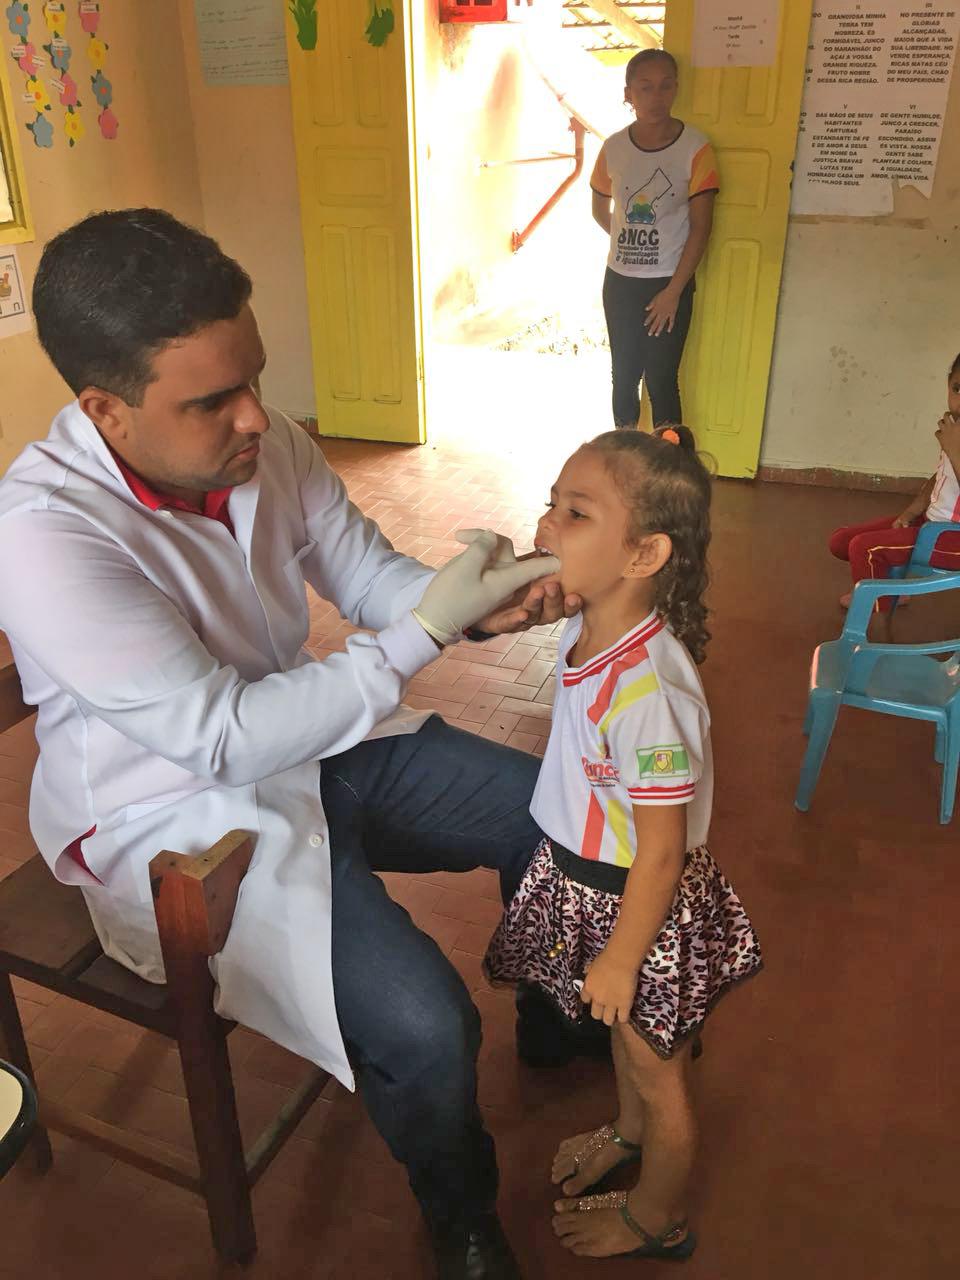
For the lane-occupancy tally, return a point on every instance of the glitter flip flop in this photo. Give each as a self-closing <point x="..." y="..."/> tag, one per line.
<point x="667" y="1245"/>
<point x="633" y="1155"/>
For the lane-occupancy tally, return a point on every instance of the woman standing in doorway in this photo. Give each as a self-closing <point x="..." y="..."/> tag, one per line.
<point x="654" y="185"/>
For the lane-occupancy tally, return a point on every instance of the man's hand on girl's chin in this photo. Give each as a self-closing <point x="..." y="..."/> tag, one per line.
<point x="538" y="605"/>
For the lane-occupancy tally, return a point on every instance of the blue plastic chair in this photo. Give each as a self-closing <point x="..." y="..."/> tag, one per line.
<point x="896" y="679"/>
<point x="918" y="565"/>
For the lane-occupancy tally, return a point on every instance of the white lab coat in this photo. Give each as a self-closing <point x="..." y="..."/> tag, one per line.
<point x="175" y="700"/>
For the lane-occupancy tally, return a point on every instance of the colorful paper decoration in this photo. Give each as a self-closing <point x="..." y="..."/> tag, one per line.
<point x="60" y="53"/>
<point x="24" y="54"/>
<point x="304" y="14"/>
<point x="89" y="11"/>
<point x="381" y="22"/>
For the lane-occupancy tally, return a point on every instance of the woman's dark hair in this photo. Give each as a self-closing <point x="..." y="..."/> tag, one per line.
<point x="116" y="288"/>
<point x="666" y="489"/>
<point x="648" y="55"/>
<point x="955" y="367"/>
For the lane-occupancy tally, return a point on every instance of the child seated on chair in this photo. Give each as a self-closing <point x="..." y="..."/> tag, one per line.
<point x="874" y="548"/>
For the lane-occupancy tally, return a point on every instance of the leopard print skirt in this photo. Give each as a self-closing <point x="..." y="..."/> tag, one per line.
<point x="707" y="944"/>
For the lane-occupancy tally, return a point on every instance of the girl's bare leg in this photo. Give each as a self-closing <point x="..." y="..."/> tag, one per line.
<point x="657" y="1202"/>
<point x="629" y="1125"/>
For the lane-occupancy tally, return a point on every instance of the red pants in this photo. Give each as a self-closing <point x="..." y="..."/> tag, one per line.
<point x="873" y="549"/>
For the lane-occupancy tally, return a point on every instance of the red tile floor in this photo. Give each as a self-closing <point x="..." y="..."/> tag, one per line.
<point x="829" y="1086"/>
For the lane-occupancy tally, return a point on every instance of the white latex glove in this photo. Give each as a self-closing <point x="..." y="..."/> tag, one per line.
<point x="472" y="584"/>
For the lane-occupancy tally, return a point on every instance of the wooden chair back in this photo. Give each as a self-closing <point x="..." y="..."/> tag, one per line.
<point x="47" y="937"/>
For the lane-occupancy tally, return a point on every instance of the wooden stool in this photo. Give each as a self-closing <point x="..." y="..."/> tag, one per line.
<point x="46" y="937"/>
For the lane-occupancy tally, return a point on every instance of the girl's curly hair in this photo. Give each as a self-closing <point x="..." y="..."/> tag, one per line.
<point x="666" y="488"/>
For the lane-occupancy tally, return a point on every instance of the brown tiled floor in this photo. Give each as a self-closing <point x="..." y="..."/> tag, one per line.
<point x="828" y="1089"/>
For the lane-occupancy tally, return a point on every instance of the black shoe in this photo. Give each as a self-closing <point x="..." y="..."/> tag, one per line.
<point x="476" y="1250"/>
<point x="545" y="1038"/>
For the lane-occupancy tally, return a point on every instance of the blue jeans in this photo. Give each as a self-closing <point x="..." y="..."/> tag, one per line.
<point x="440" y="799"/>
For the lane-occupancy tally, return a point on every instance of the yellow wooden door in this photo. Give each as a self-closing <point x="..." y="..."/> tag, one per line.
<point x="751" y="115"/>
<point x="355" y="161"/>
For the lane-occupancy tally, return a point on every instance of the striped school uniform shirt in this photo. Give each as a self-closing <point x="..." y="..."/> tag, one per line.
<point x="630" y="727"/>
<point x="945" y="496"/>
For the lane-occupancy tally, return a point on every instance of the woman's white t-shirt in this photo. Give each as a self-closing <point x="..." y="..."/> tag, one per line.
<point x="630" y="727"/>
<point x="651" y="192"/>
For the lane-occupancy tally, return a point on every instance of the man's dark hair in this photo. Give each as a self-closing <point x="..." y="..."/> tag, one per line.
<point x="116" y="288"/>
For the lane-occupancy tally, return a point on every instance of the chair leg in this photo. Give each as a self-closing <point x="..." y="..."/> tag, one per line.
<point x="940" y="745"/>
<point x="216" y="1130"/>
<point x="821" y="716"/>
<point x="948" y="785"/>
<point x="13" y="1046"/>
<point x="808" y="718"/>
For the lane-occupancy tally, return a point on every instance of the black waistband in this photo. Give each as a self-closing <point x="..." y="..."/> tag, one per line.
<point x="594" y="875"/>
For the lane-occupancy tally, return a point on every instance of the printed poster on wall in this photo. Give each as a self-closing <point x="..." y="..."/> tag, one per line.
<point x="14" y="312"/>
<point x="735" y="35"/>
<point x="242" y="41"/>
<point x="876" y="91"/>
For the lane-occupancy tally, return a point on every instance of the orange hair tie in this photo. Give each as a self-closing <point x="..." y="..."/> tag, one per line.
<point x="671" y="435"/>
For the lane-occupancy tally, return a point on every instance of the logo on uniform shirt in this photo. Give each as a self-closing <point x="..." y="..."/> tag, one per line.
<point x="663" y="761"/>
<point x="641" y="206"/>
<point x="600" y="773"/>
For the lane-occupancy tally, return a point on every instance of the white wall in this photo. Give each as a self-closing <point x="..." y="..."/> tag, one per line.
<point x="869" y="324"/>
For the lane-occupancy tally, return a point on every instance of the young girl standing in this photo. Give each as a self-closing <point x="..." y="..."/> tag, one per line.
<point x="623" y="912"/>
<point x="654" y="185"/>
<point x="873" y="549"/>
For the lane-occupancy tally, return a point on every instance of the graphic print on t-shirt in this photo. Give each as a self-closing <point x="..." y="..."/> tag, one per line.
<point x="601" y="773"/>
<point x="651" y="193"/>
<point x="663" y="762"/>
<point x="641" y="205"/>
<point x="639" y="241"/>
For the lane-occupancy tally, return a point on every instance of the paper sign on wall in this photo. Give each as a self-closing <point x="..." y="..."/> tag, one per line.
<point x="14" y="313"/>
<point x="740" y="34"/>
<point x="242" y="41"/>
<point x="876" y="91"/>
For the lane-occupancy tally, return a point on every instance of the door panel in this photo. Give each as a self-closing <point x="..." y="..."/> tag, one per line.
<point x="750" y="114"/>
<point x="353" y="140"/>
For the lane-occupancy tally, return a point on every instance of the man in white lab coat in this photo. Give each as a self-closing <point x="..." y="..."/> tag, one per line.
<point x="153" y="555"/>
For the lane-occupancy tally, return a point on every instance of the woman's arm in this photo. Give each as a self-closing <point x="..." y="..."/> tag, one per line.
<point x="701" y="224"/>
<point x="602" y="210"/>
<point x="662" y="310"/>
<point x="611" y="982"/>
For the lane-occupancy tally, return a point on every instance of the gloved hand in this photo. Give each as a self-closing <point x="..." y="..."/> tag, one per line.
<point x="472" y="584"/>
